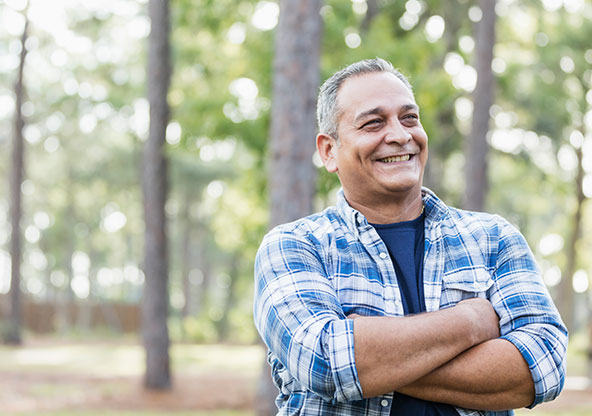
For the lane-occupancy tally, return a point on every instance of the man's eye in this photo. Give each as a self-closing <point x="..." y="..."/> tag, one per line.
<point x="411" y="118"/>
<point x="372" y="123"/>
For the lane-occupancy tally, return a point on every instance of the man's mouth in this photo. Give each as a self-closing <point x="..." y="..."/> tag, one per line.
<point x="392" y="159"/>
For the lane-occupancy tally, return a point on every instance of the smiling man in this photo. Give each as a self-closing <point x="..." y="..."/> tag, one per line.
<point x="391" y="302"/>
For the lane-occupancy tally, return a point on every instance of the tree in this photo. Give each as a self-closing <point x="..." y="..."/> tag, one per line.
<point x="155" y="297"/>
<point x="292" y="175"/>
<point x="476" y="147"/>
<point x="295" y="81"/>
<point x="13" y="332"/>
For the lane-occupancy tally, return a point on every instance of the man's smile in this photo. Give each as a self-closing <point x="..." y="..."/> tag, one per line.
<point x="391" y="159"/>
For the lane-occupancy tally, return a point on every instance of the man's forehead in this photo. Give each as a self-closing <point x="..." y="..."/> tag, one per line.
<point x="356" y="92"/>
<point x="373" y="93"/>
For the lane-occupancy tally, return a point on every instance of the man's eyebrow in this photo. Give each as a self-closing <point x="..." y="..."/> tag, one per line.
<point x="380" y="110"/>
<point x="410" y="107"/>
<point x="364" y="114"/>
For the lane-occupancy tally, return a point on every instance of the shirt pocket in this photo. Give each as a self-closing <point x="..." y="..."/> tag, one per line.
<point x="464" y="284"/>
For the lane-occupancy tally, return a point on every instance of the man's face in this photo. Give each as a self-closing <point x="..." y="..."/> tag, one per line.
<point x="382" y="149"/>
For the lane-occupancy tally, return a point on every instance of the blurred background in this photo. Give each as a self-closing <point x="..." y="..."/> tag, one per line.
<point x="147" y="146"/>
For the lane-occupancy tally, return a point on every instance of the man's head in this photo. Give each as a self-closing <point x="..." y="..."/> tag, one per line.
<point x="371" y="135"/>
<point x="328" y="111"/>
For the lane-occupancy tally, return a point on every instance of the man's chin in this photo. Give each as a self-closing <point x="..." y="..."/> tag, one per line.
<point x="402" y="187"/>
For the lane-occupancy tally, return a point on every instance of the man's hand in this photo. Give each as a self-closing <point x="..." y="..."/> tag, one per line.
<point x="485" y="322"/>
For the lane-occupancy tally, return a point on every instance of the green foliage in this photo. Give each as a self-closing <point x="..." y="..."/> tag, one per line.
<point x="87" y="119"/>
<point x="194" y="329"/>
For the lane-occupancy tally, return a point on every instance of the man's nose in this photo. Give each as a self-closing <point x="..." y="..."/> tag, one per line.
<point x="397" y="133"/>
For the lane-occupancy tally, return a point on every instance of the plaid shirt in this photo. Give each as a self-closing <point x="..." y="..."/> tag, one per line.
<point x="312" y="273"/>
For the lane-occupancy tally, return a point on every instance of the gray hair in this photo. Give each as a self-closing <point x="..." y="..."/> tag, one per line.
<point x="328" y="112"/>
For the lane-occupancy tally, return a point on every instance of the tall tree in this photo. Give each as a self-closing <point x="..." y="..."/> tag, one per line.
<point x="292" y="175"/>
<point x="565" y="299"/>
<point x="476" y="147"/>
<point x="372" y="10"/>
<point x="13" y="332"/>
<point x="155" y="297"/>
<point x="296" y="76"/>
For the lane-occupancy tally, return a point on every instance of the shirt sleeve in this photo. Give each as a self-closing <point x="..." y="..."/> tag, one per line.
<point x="528" y="317"/>
<point x="300" y="319"/>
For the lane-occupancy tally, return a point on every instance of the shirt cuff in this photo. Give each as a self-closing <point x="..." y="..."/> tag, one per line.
<point x="543" y="356"/>
<point x="339" y="347"/>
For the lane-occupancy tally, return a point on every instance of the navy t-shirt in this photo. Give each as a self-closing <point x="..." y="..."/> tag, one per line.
<point x="405" y="242"/>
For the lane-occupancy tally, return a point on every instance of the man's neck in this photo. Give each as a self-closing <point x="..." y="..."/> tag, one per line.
<point x="392" y="209"/>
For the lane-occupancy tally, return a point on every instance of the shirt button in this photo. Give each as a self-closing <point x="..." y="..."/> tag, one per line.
<point x="384" y="403"/>
<point x="382" y="255"/>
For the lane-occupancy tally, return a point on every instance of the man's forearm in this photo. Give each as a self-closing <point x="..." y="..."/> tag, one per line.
<point x="392" y="352"/>
<point x="490" y="376"/>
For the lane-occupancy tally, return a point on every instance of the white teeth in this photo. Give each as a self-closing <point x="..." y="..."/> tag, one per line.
<point x="395" y="159"/>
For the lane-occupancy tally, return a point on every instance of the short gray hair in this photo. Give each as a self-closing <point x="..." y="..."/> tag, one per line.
<point x="327" y="112"/>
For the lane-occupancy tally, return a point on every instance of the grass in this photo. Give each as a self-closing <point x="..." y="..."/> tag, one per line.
<point x="583" y="412"/>
<point x="128" y="413"/>
<point x="113" y="360"/>
<point x="128" y="359"/>
<point x="66" y="376"/>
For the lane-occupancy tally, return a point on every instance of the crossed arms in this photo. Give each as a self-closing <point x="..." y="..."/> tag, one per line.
<point x="450" y="356"/>
<point x="454" y="355"/>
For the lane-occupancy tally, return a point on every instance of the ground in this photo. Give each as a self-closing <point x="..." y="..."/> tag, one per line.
<point x="50" y="377"/>
<point x="206" y="392"/>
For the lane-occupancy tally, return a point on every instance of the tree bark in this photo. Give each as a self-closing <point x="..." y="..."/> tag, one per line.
<point x="566" y="292"/>
<point x="292" y="175"/>
<point x="155" y="297"/>
<point x="476" y="148"/>
<point x="13" y="330"/>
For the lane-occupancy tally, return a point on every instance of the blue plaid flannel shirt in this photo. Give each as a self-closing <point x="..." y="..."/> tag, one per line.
<point x="312" y="273"/>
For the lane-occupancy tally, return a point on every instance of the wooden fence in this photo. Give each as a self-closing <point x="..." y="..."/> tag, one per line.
<point x="45" y="317"/>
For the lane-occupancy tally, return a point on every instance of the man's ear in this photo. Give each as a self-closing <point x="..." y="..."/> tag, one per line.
<point x="327" y="148"/>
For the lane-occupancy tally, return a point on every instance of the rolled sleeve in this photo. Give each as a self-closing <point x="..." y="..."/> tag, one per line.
<point x="544" y="353"/>
<point x="528" y="317"/>
<point x="300" y="319"/>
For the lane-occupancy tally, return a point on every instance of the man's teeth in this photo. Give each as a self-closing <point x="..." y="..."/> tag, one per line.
<point x="395" y="159"/>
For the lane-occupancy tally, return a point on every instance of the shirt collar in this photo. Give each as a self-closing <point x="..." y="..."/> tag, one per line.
<point x="435" y="209"/>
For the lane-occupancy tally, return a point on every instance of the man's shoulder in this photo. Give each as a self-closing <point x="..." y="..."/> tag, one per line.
<point x="477" y="218"/>
<point x="317" y="226"/>
<point x="483" y="227"/>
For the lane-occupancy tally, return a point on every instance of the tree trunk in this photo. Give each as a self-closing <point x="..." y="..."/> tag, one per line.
<point x="224" y="323"/>
<point x="371" y="12"/>
<point x="203" y="302"/>
<point x="476" y="148"/>
<point x="292" y="175"/>
<point x="155" y="296"/>
<point x="13" y="330"/>
<point x="186" y="256"/>
<point x="566" y="293"/>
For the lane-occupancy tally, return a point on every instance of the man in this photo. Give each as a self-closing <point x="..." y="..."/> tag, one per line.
<point x="391" y="302"/>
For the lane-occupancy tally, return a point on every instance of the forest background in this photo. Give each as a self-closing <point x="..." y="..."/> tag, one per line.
<point x="509" y="107"/>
